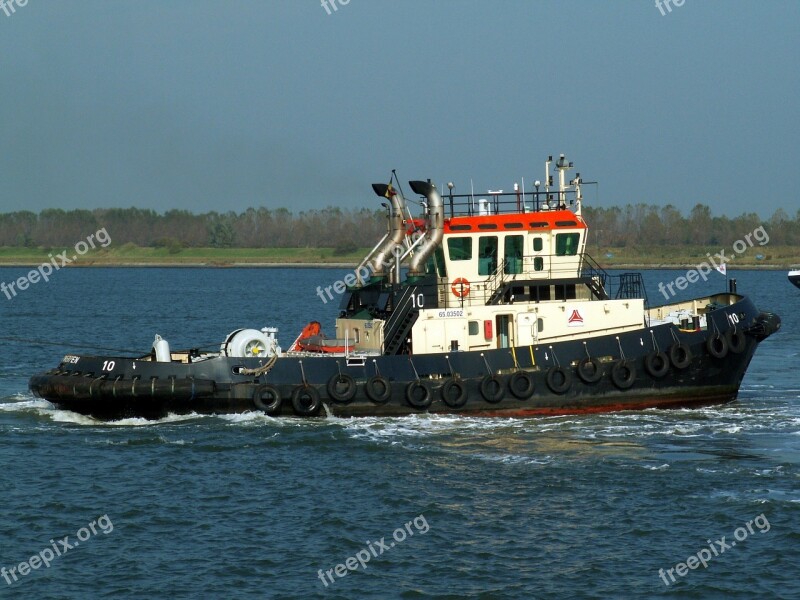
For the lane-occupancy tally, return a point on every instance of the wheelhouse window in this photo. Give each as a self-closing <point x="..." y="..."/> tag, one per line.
<point x="567" y="244"/>
<point x="487" y="255"/>
<point x="513" y="246"/>
<point x="538" y="244"/>
<point x="460" y="248"/>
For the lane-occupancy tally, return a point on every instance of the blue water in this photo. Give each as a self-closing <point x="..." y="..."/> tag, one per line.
<point x="246" y="506"/>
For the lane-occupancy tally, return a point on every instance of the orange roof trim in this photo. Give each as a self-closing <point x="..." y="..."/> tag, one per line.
<point x="533" y="221"/>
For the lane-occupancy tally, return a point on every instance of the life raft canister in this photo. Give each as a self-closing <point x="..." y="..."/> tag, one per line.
<point x="460" y="287"/>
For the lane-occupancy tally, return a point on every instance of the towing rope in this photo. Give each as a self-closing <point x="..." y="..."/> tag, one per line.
<point x="262" y="370"/>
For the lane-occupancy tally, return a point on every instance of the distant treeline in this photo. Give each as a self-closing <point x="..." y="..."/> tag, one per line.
<point x="346" y="230"/>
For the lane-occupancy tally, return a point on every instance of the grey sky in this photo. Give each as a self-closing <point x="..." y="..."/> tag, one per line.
<point x="223" y="105"/>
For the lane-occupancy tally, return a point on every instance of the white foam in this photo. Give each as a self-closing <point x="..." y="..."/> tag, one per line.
<point x="423" y="425"/>
<point x="515" y="459"/>
<point x="663" y="467"/>
<point x="142" y="422"/>
<point x="67" y="416"/>
<point x="25" y="404"/>
<point x="245" y="417"/>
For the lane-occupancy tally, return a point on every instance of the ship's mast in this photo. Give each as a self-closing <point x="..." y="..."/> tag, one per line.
<point x="563" y="166"/>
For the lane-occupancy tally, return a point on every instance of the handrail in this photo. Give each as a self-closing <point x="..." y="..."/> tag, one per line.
<point x="496" y="203"/>
<point x="492" y="284"/>
<point x="594" y="268"/>
<point x="602" y="283"/>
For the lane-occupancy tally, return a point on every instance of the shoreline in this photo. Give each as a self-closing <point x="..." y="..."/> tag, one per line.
<point x="645" y="258"/>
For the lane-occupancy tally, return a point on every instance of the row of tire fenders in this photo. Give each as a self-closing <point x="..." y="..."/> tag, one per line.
<point x="342" y="387"/>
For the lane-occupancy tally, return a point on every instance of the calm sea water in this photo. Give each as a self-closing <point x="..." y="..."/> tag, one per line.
<point x="247" y="506"/>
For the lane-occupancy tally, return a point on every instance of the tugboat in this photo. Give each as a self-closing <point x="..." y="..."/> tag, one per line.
<point x="485" y="306"/>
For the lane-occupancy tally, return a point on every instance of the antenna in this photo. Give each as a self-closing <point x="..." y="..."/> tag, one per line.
<point x="472" y="195"/>
<point x="548" y="180"/>
<point x="563" y="165"/>
<point x="397" y="181"/>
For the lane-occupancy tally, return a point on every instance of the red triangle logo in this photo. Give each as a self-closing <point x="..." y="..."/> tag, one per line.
<point x="575" y="317"/>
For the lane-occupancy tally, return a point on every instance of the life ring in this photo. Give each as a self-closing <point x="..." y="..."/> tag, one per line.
<point x="267" y="398"/>
<point x="454" y="393"/>
<point x="736" y="341"/>
<point x="521" y="385"/>
<point x="657" y="364"/>
<point x="306" y="401"/>
<point x="342" y="388"/>
<point x="460" y="287"/>
<point x="492" y="389"/>
<point x="553" y="376"/>
<point x="590" y="370"/>
<point x="717" y="345"/>
<point x="680" y="355"/>
<point x="623" y="374"/>
<point x="378" y="389"/>
<point x="418" y="395"/>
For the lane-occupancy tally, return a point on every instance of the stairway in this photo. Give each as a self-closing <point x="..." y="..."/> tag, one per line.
<point x="402" y="319"/>
<point x="495" y="284"/>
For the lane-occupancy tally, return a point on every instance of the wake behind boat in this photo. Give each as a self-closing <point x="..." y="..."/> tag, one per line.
<point x="483" y="306"/>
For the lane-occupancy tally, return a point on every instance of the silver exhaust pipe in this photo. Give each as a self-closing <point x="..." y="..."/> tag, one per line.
<point x="434" y="232"/>
<point x="381" y="259"/>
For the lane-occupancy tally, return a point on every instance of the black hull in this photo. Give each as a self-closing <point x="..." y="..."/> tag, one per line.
<point x="526" y="381"/>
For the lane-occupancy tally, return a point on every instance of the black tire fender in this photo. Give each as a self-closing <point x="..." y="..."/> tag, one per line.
<point x="378" y="389"/>
<point x="267" y="398"/>
<point x="341" y="388"/>
<point x="306" y="401"/>
<point x="454" y="393"/>
<point x="623" y="374"/>
<point x="680" y="355"/>
<point x="657" y="364"/>
<point x="737" y="342"/>
<point x="492" y="389"/>
<point x="590" y="370"/>
<point x="521" y="385"/>
<point x="418" y="395"/>
<point x="559" y="379"/>
<point x="717" y="345"/>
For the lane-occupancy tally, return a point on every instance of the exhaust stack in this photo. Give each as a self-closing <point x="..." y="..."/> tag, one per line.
<point x="434" y="232"/>
<point x="381" y="258"/>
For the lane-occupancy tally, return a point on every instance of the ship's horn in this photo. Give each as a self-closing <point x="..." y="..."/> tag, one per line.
<point x="434" y="230"/>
